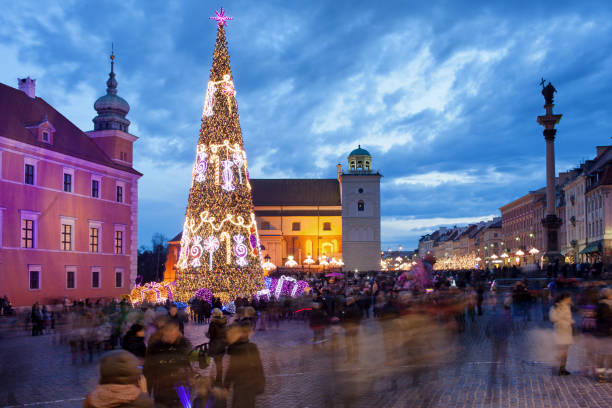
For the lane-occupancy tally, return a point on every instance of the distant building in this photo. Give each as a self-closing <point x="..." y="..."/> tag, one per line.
<point x="68" y="199"/>
<point x="316" y="220"/>
<point x="598" y="207"/>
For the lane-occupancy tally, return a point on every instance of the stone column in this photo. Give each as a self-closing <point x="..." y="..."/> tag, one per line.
<point x="551" y="222"/>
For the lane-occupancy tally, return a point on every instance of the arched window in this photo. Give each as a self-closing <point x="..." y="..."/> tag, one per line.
<point x="352" y="164"/>
<point x="360" y="205"/>
<point x="367" y="166"/>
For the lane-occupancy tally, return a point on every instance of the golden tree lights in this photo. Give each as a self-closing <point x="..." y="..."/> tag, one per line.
<point x="220" y="244"/>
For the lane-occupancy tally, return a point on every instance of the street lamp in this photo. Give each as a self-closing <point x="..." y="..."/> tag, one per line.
<point x="268" y="265"/>
<point x="291" y="263"/>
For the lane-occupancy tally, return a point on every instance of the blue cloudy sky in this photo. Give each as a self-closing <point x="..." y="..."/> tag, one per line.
<point x="443" y="94"/>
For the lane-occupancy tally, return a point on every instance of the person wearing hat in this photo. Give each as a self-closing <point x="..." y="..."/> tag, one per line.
<point x="121" y="383"/>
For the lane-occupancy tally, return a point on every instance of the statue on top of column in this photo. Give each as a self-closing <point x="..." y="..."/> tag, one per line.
<point x="548" y="91"/>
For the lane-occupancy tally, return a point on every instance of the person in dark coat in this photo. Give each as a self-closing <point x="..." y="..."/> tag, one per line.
<point x="245" y="373"/>
<point x="121" y="383"/>
<point x="174" y="316"/>
<point x="167" y="365"/>
<point x="351" y="317"/>
<point x="206" y="309"/>
<point x="218" y="342"/>
<point x="37" y="320"/>
<point x="133" y="341"/>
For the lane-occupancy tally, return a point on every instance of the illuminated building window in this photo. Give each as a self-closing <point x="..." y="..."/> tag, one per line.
<point x="360" y="205"/>
<point x="27" y="233"/>
<point x="94" y="238"/>
<point x="327" y="226"/>
<point x="296" y="226"/>
<point x="118" y="242"/>
<point x="66" y="243"/>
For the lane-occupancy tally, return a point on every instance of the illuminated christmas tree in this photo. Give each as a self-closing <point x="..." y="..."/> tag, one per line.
<point x="220" y="244"/>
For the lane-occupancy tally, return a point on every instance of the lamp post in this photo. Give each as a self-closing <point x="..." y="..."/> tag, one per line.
<point x="551" y="222"/>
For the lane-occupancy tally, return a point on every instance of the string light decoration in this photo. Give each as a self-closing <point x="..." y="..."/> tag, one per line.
<point x="220" y="243"/>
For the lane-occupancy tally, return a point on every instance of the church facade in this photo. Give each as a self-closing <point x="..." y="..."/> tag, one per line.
<point x="316" y="220"/>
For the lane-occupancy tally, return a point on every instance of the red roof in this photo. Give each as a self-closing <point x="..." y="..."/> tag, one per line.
<point x="17" y="110"/>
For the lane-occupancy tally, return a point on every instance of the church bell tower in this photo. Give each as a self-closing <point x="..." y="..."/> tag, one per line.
<point x="360" y="190"/>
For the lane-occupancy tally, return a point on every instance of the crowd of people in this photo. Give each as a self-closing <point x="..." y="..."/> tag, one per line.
<point x="419" y="330"/>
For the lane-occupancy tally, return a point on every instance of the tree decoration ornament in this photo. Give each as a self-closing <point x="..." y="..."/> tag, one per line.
<point x="228" y="175"/>
<point x="220" y="205"/>
<point x="211" y="244"/>
<point x="196" y="251"/>
<point x="225" y="237"/>
<point x="240" y="250"/>
<point x="239" y="162"/>
<point x="209" y="102"/>
<point x="204" y="294"/>
<point x="221" y="18"/>
<point x="201" y="166"/>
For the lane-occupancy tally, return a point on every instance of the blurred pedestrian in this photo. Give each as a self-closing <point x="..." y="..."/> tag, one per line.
<point x="245" y="373"/>
<point x="351" y="318"/>
<point x="174" y="316"/>
<point x="121" y="383"/>
<point x="218" y="342"/>
<point x="133" y="341"/>
<point x="561" y="316"/>
<point x="603" y="332"/>
<point x="498" y="330"/>
<point x="318" y="321"/>
<point x="167" y="365"/>
<point x="388" y="317"/>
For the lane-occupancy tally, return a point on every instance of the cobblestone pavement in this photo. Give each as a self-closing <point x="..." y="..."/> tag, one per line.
<point x="37" y="372"/>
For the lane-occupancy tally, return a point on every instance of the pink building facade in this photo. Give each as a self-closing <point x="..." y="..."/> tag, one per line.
<point x="68" y="200"/>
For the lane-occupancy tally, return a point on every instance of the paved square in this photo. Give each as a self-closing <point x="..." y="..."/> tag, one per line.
<point x="454" y="370"/>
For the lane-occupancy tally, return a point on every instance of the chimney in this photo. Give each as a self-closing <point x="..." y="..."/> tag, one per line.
<point x="28" y="86"/>
<point x="339" y="173"/>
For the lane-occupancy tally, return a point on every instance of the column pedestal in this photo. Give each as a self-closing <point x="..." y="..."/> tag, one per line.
<point x="551" y="224"/>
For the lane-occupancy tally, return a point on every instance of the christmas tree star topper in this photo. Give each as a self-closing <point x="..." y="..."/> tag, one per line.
<point x="220" y="17"/>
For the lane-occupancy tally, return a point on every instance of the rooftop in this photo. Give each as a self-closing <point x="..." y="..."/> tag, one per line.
<point x="18" y="110"/>
<point x="295" y="192"/>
